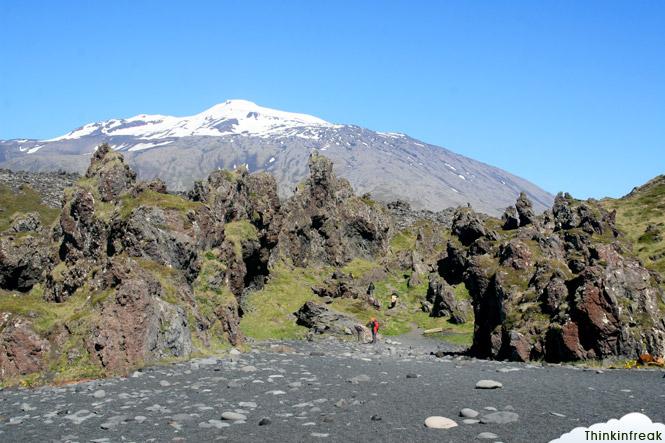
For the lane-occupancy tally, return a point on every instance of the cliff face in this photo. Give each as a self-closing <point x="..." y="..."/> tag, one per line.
<point x="562" y="286"/>
<point x="126" y="273"/>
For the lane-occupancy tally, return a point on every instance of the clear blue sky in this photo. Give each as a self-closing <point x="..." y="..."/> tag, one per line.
<point x="568" y="94"/>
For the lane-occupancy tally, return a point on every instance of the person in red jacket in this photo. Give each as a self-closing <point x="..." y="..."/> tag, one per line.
<point x="374" y="327"/>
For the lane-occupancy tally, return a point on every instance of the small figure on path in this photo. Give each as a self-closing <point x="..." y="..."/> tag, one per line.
<point x="394" y="299"/>
<point x="373" y="325"/>
<point x="360" y="332"/>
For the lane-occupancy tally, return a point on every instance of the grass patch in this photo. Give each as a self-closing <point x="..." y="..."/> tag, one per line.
<point x="157" y="200"/>
<point x="45" y="315"/>
<point x="403" y="241"/>
<point x="237" y="232"/>
<point x="166" y="276"/>
<point x="358" y="267"/>
<point x="635" y="212"/>
<point x="26" y="200"/>
<point x="268" y="313"/>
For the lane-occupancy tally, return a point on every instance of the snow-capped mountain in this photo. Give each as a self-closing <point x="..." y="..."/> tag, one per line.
<point x="231" y="117"/>
<point x="182" y="149"/>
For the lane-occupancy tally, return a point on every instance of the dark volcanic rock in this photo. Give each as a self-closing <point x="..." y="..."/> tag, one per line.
<point x="22" y="351"/>
<point x="324" y="223"/>
<point x="114" y="176"/>
<point x="135" y="324"/>
<point x="510" y="218"/>
<point x="443" y="302"/>
<point x="525" y="210"/>
<point x="323" y="320"/>
<point x="404" y="216"/>
<point x="22" y="262"/>
<point x="515" y="254"/>
<point x="143" y="234"/>
<point x="26" y="222"/>
<point x="49" y="185"/>
<point x="566" y="292"/>
<point x="468" y="226"/>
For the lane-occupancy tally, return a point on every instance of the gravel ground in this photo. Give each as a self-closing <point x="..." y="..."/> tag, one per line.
<point x="328" y="391"/>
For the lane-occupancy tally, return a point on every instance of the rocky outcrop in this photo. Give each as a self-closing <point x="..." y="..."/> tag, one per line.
<point x="510" y="218"/>
<point x="404" y="216"/>
<point x="23" y="261"/>
<point x="113" y="176"/>
<point x="525" y="210"/>
<point x="443" y="302"/>
<point x="49" y="185"/>
<point x="567" y="290"/>
<point x="26" y="222"/>
<point x="157" y="234"/>
<point x="22" y="351"/>
<point x="324" y="223"/>
<point x="468" y="226"/>
<point x="134" y="324"/>
<point x="320" y="319"/>
<point x="240" y="197"/>
<point x="340" y="285"/>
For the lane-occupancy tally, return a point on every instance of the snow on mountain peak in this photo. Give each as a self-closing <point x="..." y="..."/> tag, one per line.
<point x="240" y="117"/>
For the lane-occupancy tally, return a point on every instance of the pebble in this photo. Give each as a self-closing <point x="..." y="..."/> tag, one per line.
<point x="265" y="421"/>
<point x="470" y="421"/>
<point x="276" y="392"/>
<point x="113" y="422"/>
<point x="556" y="414"/>
<point x="233" y="416"/>
<point x="468" y="413"/>
<point x="488" y="384"/>
<point x="342" y="403"/>
<point x="164" y="383"/>
<point x="234" y="351"/>
<point x="411" y="375"/>
<point x="247" y="404"/>
<point x="376" y="418"/>
<point x="362" y="378"/>
<point x="79" y="416"/>
<point x="26" y="407"/>
<point x="319" y="435"/>
<point x="500" y="418"/>
<point x="437" y="422"/>
<point x="217" y="423"/>
<point x="487" y="436"/>
<point x="99" y="394"/>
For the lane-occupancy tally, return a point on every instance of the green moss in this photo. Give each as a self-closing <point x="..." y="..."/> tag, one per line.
<point x="643" y="207"/>
<point x="461" y="292"/>
<point x="403" y="241"/>
<point x="268" y="313"/>
<point x="209" y="298"/>
<point x="45" y="315"/>
<point x="359" y="267"/>
<point x="24" y="201"/>
<point x="155" y="199"/>
<point x="168" y="278"/>
<point x="237" y="232"/>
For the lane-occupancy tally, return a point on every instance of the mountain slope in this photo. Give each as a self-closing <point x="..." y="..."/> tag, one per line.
<point x="181" y="150"/>
<point x="641" y="215"/>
